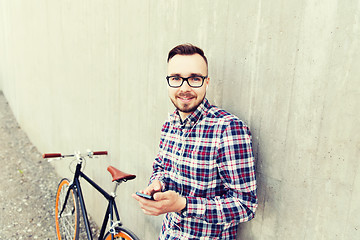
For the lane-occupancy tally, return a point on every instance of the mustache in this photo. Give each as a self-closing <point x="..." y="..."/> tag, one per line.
<point x="186" y="94"/>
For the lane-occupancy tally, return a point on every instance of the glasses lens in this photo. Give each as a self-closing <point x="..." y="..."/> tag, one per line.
<point x="196" y="81"/>
<point x="174" y="81"/>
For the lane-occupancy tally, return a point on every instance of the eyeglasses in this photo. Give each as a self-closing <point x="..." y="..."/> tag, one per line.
<point x="193" y="81"/>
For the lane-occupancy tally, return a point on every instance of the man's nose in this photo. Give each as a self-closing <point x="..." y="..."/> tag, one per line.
<point x="185" y="86"/>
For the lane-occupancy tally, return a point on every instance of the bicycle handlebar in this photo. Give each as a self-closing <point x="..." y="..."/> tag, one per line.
<point x="51" y="155"/>
<point x="100" y="153"/>
<point x="59" y="155"/>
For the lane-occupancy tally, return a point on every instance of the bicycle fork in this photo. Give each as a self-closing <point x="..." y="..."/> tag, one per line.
<point x="65" y="201"/>
<point x="75" y="186"/>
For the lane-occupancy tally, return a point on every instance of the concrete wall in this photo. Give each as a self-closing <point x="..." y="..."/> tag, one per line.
<point x="90" y="74"/>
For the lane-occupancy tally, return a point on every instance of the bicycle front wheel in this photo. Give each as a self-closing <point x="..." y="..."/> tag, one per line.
<point x="67" y="224"/>
<point x="123" y="234"/>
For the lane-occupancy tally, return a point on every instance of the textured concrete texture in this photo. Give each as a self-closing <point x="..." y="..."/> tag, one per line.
<point x="90" y="74"/>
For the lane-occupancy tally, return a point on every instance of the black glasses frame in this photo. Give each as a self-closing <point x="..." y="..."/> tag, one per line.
<point x="187" y="80"/>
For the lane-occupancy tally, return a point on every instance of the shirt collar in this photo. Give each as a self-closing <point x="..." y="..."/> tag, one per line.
<point x="193" y="117"/>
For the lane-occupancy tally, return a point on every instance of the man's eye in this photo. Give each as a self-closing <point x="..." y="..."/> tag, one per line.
<point x="175" y="79"/>
<point x="196" y="79"/>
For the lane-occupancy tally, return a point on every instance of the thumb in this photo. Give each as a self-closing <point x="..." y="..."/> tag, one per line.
<point x="159" y="196"/>
<point x="157" y="187"/>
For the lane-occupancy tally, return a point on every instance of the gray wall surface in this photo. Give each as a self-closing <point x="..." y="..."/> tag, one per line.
<point x="91" y="74"/>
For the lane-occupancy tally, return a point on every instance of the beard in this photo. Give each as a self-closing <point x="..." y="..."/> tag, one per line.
<point x="186" y="107"/>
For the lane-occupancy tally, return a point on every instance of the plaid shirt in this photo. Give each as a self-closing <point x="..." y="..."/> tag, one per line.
<point x="208" y="159"/>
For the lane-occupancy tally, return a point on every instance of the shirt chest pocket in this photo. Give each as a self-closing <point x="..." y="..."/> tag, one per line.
<point x="199" y="168"/>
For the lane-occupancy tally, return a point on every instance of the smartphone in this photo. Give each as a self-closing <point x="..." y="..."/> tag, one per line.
<point x="149" y="197"/>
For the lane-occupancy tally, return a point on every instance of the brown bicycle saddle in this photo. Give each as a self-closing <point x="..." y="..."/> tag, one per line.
<point x="119" y="175"/>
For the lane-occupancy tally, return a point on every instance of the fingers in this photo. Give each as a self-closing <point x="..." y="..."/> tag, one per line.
<point x="155" y="186"/>
<point x="158" y="196"/>
<point x="136" y="197"/>
<point x="149" y="207"/>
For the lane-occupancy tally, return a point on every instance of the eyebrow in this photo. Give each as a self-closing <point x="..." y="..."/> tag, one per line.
<point x="191" y="75"/>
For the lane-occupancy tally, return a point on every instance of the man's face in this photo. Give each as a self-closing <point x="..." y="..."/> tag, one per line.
<point x="185" y="98"/>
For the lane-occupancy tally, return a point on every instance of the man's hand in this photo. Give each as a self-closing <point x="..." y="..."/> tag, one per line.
<point x="154" y="187"/>
<point x="165" y="202"/>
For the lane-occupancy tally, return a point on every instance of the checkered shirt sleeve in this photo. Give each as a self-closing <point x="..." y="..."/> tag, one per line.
<point x="236" y="169"/>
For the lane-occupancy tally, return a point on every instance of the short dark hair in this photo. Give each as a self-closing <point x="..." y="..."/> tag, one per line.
<point x="186" y="49"/>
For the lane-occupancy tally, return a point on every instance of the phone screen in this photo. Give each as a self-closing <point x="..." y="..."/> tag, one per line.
<point x="145" y="195"/>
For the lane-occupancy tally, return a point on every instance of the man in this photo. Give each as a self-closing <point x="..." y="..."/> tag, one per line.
<point x="204" y="175"/>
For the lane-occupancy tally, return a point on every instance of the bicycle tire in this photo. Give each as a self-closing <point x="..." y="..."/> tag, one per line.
<point x="123" y="234"/>
<point x="67" y="226"/>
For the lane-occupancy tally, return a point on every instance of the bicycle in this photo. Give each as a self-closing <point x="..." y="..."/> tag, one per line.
<point x="69" y="201"/>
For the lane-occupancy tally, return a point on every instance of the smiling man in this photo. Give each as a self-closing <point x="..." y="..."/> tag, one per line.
<point x="187" y="96"/>
<point x="203" y="177"/>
